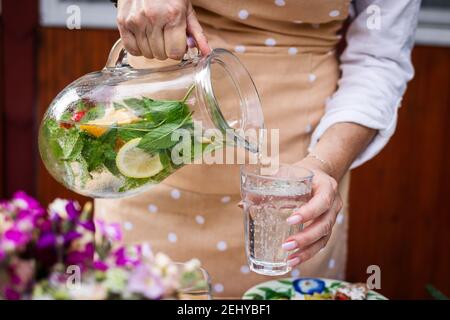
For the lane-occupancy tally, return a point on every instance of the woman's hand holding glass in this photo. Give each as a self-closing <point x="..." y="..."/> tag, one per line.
<point x="318" y="215"/>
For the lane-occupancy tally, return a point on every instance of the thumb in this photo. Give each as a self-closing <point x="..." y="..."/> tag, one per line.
<point x="195" y="30"/>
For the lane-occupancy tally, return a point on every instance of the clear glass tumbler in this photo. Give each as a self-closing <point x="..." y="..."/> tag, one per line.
<point x="269" y="197"/>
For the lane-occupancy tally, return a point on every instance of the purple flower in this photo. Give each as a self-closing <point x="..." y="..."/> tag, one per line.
<point x="11" y="294"/>
<point x="62" y="210"/>
<point x="2" y="254"/>
<point x="128" y="256"/>
<point x="47" y="240"/>
<point x="50" y="239"/>
<point x="24" y="201"/>
<point x="44" y="225"/>
<point x="110" y="231"/>
<point x="73" y="210"/>
<point x="100" y="265"/>
<point x="145" y="282"/>
<point x="70" y="236"/>
<point x="79" y="258"/>
<point x="88" y="225"/>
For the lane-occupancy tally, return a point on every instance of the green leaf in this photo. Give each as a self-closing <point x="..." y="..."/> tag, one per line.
<point x="136" y="130"/>
<point x="94" y="113"/>
<point x="93" y="154"/>
<point x="164" y="157"/>
<point x="66" y="117"/>
<point x="254" y="296"/>
<point x="80" y="106"/>
<point x="83" y="173"/>
<point x="110" y="162"/>
<point x="161" y="137"/>
<point x="168" y="111"/>
<point x="137" y="105"/>
<point x="68" y="140"/>
<point x="133" y="183"/>
<point x="287" y="282"/>
<point x="435" y="293"/>
<point x="335" y="285"/>
<point x="118" y="106"/>
<point x="51" y="132"/>
<point x="63" y="143"/>
<point x="77" y="148"/>
<point x="271" y="294"/>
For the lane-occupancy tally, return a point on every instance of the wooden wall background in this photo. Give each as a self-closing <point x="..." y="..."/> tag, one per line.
<point x="400" y="201"/>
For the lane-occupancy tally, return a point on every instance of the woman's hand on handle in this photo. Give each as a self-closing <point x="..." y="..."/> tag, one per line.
<point x="159" y="28"/>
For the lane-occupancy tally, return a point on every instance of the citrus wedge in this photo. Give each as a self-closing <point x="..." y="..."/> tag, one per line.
<point x="134" y="162"/>
<point x="112" y="117"/>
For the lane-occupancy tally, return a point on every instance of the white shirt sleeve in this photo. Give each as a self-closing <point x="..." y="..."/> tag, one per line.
<point x="375" y="66"/>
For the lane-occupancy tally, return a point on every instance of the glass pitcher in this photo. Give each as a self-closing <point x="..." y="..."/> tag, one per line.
<point x="115" y="132"/>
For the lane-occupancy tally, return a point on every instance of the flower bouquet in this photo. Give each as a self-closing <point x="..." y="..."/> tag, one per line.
<point x="58" y="254"/>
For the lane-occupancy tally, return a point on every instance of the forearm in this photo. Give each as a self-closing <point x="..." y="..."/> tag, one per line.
<point x="339" y="146"/>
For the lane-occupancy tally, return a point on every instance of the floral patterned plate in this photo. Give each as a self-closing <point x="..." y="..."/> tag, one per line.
<point x="300" y="289"/>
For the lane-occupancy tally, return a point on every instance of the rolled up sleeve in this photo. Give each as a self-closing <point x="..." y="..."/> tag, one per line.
<point x="375" y="66"/>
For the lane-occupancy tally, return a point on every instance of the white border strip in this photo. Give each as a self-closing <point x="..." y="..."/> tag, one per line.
<point x="434" y="24"/>
<point x="93" y="15"/>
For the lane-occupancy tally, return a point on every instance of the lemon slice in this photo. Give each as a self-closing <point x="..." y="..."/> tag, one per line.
<point x="134" y="162"/>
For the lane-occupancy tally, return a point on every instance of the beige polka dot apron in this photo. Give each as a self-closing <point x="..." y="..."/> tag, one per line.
<point x="288" y="48"/>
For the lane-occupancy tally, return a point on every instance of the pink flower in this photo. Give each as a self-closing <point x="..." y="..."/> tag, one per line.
<point x="143" y="281"/>
<point x="23" y="271"/>
<point x="110" y="231"/>
<point x="16" y="238"/>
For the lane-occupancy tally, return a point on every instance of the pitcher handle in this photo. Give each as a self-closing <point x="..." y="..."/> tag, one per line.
<point x="118" y="56"/>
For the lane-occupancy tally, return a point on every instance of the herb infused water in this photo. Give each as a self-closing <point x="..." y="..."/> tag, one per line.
<point x="106" y="150"/>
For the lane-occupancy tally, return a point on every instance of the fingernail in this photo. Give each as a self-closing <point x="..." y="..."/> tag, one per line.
<point x="294" y="219"/>
<point x="294" y="261"/>
<point x="290" y="245"/>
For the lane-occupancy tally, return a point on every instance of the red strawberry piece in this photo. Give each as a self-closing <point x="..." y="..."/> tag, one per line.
<point x="77" y="116"/>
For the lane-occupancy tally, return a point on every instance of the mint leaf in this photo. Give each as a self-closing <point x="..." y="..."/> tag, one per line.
<point x="83" y="172"/>
<point x="100" y="151"/>
<point x="109" y="143"/>
<point x="77" y="148"/>
<point x="67" y="140"/>
<point x="51" y="132"/>
<point x="136" y="130"/>
<point x="161" y="137"/>
<point x="162" y="174"/>
<point x="66" y="117"/>
<point x="93" y="153"/>
<point x="63" y="143"/>
<point x="137" y="105"/>
<point x="165" y="159"/>
<point x="133" y="183"/>
<point x="168" y="111"/>
<point x="110" y="164"/>
<point x="118" y="106"/>
<point x="93" y="113"/>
